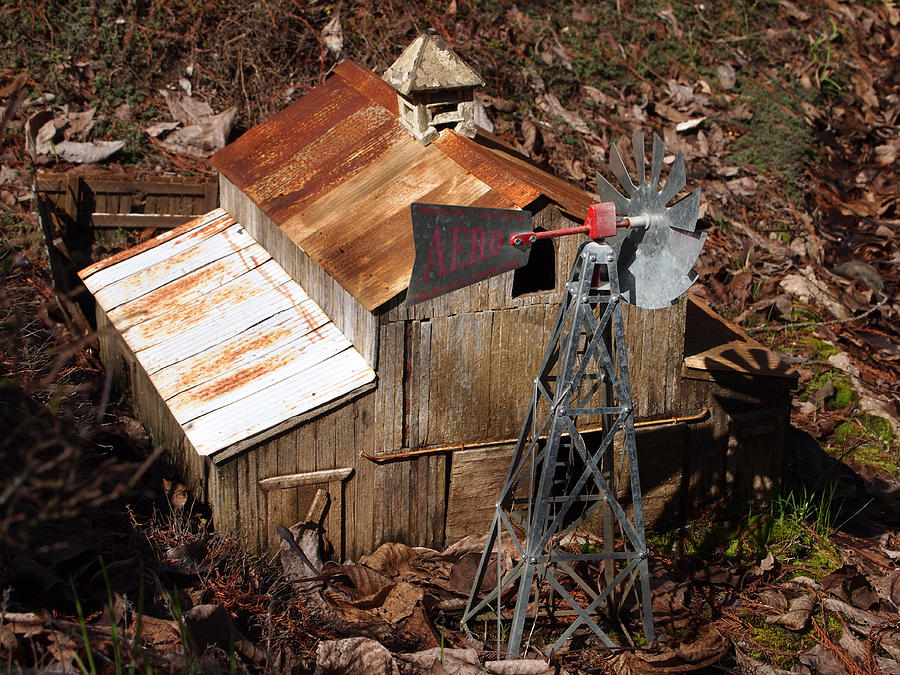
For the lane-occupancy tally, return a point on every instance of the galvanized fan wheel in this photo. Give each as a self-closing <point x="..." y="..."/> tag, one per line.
<point x="655" y="261"/>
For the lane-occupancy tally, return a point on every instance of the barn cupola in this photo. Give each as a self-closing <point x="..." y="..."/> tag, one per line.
<point x="435" y="88"/>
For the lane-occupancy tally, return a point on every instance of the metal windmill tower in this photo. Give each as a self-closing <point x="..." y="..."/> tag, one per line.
<point x="559" y="476"/>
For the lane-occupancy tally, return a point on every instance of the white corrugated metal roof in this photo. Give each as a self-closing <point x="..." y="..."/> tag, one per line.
<point x="232" y="344"/>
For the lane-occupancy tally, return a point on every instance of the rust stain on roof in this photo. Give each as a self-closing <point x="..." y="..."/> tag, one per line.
<point x="517" y="179"/>
<point x="233" y="345"/>
<point x="239" y="351"/>
<point x="182" y="290"/>
<point x="337" y="171"/>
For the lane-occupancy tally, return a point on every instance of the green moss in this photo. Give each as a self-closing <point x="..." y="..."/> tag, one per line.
<point x="867" y="427"/>
<point x="784" y="236"/>
<point x="778" y="638"/>
<point x="801" y="312"/>
<point x="821" y="348"/>
<point x="781" y="647"/>
<point x="834" y="627"/>
<point x="844" y="393"/>
<point x="870" y="440"/>
<point x="795" y="527"/>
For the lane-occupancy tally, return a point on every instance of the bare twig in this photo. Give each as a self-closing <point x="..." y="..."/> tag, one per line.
<point x="806" y="324"/>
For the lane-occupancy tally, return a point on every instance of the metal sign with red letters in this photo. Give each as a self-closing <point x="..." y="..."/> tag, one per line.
<point x="460" y="245"/>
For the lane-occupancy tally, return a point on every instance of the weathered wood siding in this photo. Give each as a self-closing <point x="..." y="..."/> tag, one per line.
<point x="397" y="501"/>
<point x="327" y="442"/>
<point x="477" y="476"/>
<point x="165" y="432"/>
<point x="737" y="451"/>
<point x="654" y="340"/>
<point x="108" y="201"/>
<point x="354" y="320"/>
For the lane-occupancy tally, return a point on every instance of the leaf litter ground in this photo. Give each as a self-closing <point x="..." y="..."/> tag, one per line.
<point x="787" y="115"/>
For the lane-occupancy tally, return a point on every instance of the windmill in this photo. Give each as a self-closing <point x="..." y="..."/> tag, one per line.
<point x="641" y="250"/>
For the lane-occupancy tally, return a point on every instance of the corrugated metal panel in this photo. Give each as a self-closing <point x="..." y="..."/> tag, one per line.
<point x="171" y="241"/>
<point x="231" y="343"/>
<point x="337" y="172"/>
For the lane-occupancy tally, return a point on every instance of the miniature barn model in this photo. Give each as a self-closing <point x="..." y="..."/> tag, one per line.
<point x="270" y="351"/>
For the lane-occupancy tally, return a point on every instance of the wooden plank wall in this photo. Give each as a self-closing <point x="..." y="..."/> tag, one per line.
<point x="468" y="377"/>
<point x="326" y="442"/>
<point x="150" y="408"/>
<point x="477" y="477"/>
<point x="396" y="501"/>
<point x="654" y="341"/>
<point x="355" y="321"/>
<point x="182" y="195"/>
<point x="108" y="201"/>
<point x="739" y="451"/>
<point x="408" y="496"/>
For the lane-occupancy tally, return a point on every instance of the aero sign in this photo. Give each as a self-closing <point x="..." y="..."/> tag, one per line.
<point x="459" y="245"/>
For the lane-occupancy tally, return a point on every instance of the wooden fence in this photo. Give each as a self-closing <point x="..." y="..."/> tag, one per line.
<point x="73" y="208"/>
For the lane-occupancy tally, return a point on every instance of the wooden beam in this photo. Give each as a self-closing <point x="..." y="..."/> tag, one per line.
<point x="164" y="187"/>
<point x="211" y="198"/>
<point x="71" y="199"/>
<point x="112" y="221"/>
<point x="294" y="480"/>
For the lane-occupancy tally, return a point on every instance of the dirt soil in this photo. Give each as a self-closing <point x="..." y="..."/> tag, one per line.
<point x="787" y="115"/>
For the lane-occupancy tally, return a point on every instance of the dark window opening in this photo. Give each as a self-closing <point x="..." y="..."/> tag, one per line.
<point x="539" y="273"/>
<point x="445" y="96"/>
<point x="441" y="108"/>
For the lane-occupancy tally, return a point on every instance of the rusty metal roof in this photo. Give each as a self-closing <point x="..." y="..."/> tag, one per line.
<point x="337" y="172"/>
<point x="232" y="344"/>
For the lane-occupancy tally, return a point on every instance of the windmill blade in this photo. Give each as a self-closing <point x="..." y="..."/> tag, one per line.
<point x="609" y="194"/>
<point x="675" y="182"/>
<point x="617" y="166"/>
<point x="657" y="275"/>
<point x="683" y="213"/>
<point x="637" y="145"/>
<point x="659" y="151"/>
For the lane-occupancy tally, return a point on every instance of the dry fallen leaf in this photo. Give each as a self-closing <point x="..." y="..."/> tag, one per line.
<point x="797" y="615"/>
<point x="354" y="655"/>
<point x="437" y="660"/>
<point x="42" y="133"/>
<point x="87" y="153"/>
<point x="333" y="35"/>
